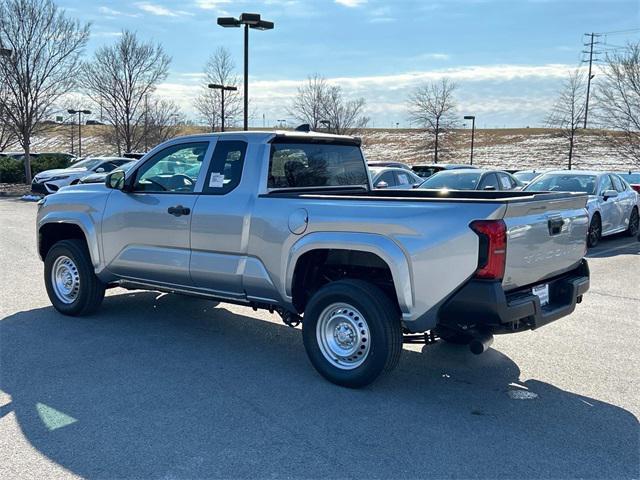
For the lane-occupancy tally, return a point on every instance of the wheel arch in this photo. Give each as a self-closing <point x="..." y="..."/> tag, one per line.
<point x="52" y="231"/>
<point x="370" y="250"/>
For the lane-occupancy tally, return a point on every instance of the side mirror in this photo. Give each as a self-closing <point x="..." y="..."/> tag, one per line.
<point x="382" y="184"/>
<point x="489" y="187"/>
<point x="115" y="180"/>
<point x="100" y="170"/>
<point x="609" y="194"/>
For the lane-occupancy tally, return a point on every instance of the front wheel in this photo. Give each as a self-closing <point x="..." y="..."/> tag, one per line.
<point x="634" y="223"/>
<point x="595" y="231"/>
<point x="352" y="333"/>
<point x="71" y="283"/>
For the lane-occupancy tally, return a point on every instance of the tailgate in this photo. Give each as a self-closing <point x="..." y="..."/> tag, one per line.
<point x="544" y="238"/>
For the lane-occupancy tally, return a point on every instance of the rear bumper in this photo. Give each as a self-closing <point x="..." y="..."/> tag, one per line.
<point x="485" y="306"/>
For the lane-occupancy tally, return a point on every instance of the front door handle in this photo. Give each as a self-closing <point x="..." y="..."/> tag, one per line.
<point x="178" y="210"/>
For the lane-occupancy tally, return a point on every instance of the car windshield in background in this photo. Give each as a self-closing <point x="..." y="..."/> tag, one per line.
<point x="425" y="172"/>
<point x="526" y="176"/>
<point x="631" y="177"/>
<point x="87" y="164"/>
<point x="563" y="182"/>
<point x="299" y="165"/>
<point x="453" y="180"/>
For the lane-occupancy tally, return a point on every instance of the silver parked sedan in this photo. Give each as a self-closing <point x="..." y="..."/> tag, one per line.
<point x="613" y="205"/>
<point x="394" y="178"/>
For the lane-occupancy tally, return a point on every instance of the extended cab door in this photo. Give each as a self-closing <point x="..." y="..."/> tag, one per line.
<point x="145" y="232"/>
<point x="220" y="220"/>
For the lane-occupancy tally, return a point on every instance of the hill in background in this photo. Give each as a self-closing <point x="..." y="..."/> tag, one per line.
<point x="521" y="148"/>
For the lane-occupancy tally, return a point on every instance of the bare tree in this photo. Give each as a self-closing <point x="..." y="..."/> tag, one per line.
<point x="345" y="117"/>
<point x="308" y="104"/>
<point x="219" y="69"/>
<point x="432" y="106"/>
<point x="618" y="101"/>
<point x="163" y="121"/>
<point x="318" y="103"/>
<point x="119" y="78"/>
<point x="46" y="49"/>
<point x="567" y="113"/>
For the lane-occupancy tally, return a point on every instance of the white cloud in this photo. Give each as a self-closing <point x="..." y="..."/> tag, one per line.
<point x="211" y="4"/>
<point x="351" y="3"/>
<point x="112" y="12"/>
<point x="161" y="11"/>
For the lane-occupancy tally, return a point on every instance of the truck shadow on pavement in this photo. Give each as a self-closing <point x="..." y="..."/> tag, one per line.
<point x="166" y="387"/>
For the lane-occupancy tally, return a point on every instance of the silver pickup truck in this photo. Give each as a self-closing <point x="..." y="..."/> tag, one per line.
<point x="288" y="221"/>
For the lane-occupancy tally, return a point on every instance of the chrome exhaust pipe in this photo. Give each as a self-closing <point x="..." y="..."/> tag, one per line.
<point x="481" y="343"/>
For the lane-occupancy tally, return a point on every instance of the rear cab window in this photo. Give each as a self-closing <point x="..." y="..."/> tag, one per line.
<point x="301" y="164"/>
<point x="225" y="170"/>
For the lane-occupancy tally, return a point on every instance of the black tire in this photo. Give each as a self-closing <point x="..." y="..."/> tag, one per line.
<point x="452" y="336"/>
<point x="595" y="231"/>
<point x="384" y="329"/>
<point x="90" y="291"/>
<point x="634" y="223"/>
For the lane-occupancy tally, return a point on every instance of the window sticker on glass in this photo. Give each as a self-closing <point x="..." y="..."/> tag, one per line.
<point x="216" y="180"/>
<point x="506" y="184"/>
<point x="403" y="179"/>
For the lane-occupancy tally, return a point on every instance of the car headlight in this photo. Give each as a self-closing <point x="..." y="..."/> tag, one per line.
<point x="55" y="179"/>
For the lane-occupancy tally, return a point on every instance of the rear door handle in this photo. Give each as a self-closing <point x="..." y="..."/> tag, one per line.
<point x="178" y="210"/>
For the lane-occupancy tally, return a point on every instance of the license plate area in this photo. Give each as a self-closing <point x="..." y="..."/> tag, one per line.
<point x="542" y="292"/>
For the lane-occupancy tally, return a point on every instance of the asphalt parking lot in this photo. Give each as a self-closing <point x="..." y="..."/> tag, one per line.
<point x="166" y="387"/>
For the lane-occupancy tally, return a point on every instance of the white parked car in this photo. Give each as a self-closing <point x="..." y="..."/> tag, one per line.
<point x="613" y="205"/>
<point x="394" y="178"/>
<point x="50" y="181"/>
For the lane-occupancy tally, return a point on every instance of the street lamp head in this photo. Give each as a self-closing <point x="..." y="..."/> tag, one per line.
<point x="250" y="18"/>
<point x="262" y="25"/>
<point x="72" y="111"/>
<point x="86" y="112"/>
<point x="215" y="85"/>
<point x="228" y="22"/>
<point x="230" y="88"/>
<point x="469" y="117"/>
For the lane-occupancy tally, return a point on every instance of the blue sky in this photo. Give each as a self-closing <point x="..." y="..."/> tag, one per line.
<point x="508" y="57"/>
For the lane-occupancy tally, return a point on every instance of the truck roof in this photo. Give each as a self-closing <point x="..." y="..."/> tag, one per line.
<point x="264" y="136"/>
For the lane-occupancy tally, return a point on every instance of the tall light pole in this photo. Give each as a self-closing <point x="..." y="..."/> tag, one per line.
<point x="473" y="132"/>
<point x="222" y="89"/>
<point x="79" y="112"/>
<point x="249" y="20"/>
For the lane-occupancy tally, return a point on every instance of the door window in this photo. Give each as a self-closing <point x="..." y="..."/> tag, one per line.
<point x="489" y="180"/>
<point x="226" y="167"/>
<point x="403" y="178"/>
<point x="605" y="184"/>
<point x="174" y="169"/>
<point x="505" y="182"/>
<point x="618" y="184"/>
<point x="388" y="178"/>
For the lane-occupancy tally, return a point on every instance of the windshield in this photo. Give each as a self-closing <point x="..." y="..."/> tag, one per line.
<point x="563" y="182"/>
<point x="453" y="180"/>
<point x="526" y="176"/>
<point x="425" y="171"/>
<point x="87" y="164"/>
<point x="296" y="165"/>
<point x="631" y="177"/>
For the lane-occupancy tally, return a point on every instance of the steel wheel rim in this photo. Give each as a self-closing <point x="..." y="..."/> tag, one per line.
<point x="343" y="336"/>
<point x="65" y="279"/>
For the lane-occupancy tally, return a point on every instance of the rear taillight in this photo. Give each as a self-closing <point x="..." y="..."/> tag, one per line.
<point x="493" y="248"/>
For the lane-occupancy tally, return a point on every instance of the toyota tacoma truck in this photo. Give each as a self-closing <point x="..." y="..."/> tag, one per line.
<point x="289" y="222"/>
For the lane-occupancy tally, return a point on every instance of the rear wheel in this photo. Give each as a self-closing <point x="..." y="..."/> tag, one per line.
<point x="352" y="333"/>
<point x="595" y="231"/>
<point x="634" y="223"/>
<point x="71" y="283"/>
